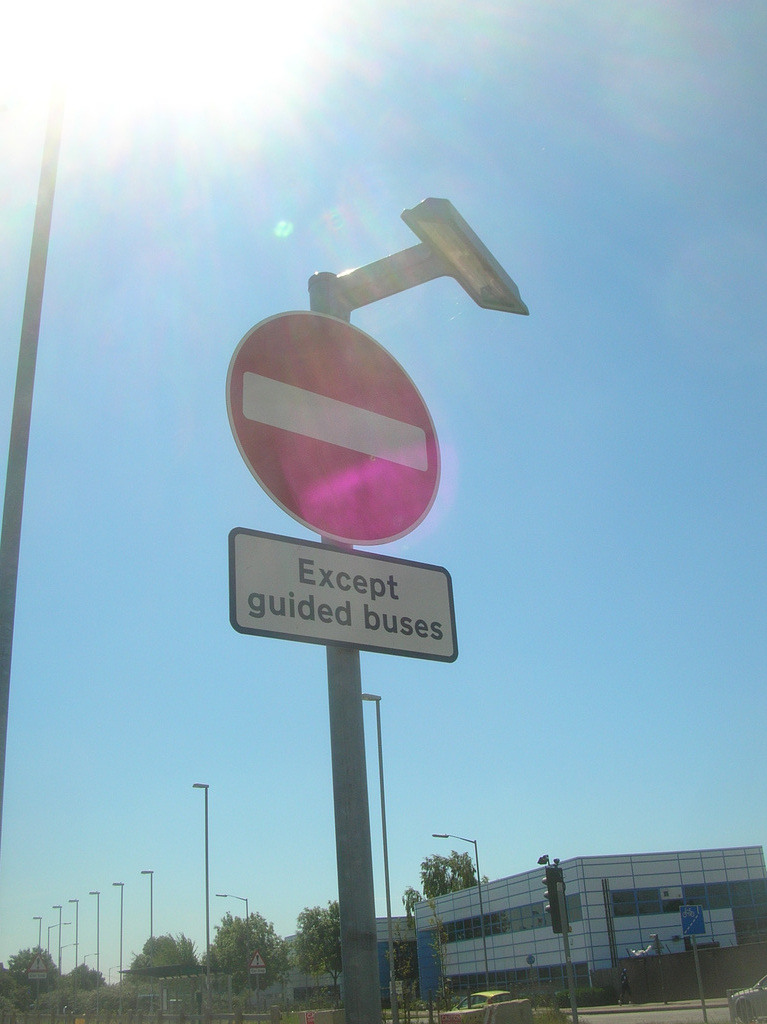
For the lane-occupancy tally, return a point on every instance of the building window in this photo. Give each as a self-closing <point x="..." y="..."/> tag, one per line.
<point x="648" y="901"/>
<point x="574" y="909"/>
<point x="750" y="924"/>
<point x="718" y="896"/>
<point x="696" y="894"/>
<point x="499" y="923"/>
<point x="740" y="893"/>
<point x="624" y="903"/>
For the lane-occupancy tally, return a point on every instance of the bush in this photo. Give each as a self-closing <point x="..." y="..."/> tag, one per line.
<point x="588" y="997"/>
<point x="548" y="1015"/>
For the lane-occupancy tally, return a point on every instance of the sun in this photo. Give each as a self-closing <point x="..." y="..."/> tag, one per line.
<point x="160" y="54"/>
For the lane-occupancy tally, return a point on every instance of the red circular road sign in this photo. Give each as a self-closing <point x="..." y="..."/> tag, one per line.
<point x="333" y="428"/>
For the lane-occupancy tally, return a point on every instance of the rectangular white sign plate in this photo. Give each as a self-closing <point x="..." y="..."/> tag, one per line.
<point x="319" y="594"/>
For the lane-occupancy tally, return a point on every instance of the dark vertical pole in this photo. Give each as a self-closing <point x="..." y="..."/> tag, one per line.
<point x="356" y="902"/>
<point x="559" y="896"/>
<point x="22" y="412"/>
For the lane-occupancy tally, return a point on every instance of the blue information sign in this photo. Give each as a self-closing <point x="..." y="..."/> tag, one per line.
<point x="692" y="920"/>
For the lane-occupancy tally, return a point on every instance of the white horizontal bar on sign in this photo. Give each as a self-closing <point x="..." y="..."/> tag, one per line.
<point x="277" y="404"/>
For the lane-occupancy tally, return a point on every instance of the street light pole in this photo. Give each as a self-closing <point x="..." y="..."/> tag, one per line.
<point x="97" y="894"/>
<point x="77" y="950"/>
<point x="448" y="835"/>
<point x="77" y="930"/>
<point x="151" y="931"/>
<point x="231" y="896"/>
<point x="392" y="976"/>
<point x="151" y="912"/>
<point x="16" y="473"/>
<point x="39" y="951"/>
<point x="122" y="891"/>
<point x="57" y="906"/>
<point x="206" y="787"/>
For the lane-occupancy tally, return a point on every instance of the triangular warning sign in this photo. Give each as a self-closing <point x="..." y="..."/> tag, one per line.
<point x="257" y="962"/>
<point x="37" y="968"/>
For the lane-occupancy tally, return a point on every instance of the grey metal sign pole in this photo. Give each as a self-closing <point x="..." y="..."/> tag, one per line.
<point x="448" y="247"/>
<point x="356" y="899"/>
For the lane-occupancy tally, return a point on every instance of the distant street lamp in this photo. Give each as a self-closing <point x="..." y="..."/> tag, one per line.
<point x="231" y="896"/>
<point x="392" y="977"/>
<point x="206" y="787"/>
<point x="121" y="886"/>
<point x="151" y="930"/>
<point x="97" y="894"/>
<point x="77" y="929"/>
<point x="448" y="835"/>
<point x="57" y="906"/>
<point x="64" y="924"/>
<point x="68" y="945"/>
<point x="39" y="951"/>
<point x="151" y="910"/>
<point x="77" y="951"/>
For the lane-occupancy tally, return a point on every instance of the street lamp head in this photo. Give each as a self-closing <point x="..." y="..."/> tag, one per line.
<point x="544" y="859"/>
<point x="370" y="696"/>
<point x="147" y="872"/>
<point x="437" y="223"/>
<point x="121" y="884"/>
<point x="440" y="835"/>
<point x="200" y="785"/>
<point x="74" y="901"/>
<point x="95" y="892"/>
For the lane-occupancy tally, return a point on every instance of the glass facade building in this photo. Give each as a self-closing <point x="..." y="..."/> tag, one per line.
<point x="616" y="906"/>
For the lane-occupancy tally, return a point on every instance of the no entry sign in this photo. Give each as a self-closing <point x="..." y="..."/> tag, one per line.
<point x="333" y="428"/>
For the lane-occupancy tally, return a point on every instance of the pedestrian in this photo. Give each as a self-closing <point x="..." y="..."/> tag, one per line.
<point x="625" y="987"/>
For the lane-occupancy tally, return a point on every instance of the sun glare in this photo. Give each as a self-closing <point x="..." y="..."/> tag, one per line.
<point x="161" y="53"/>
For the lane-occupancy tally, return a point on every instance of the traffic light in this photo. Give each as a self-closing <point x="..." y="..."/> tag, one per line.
<point x="554" y="875"/>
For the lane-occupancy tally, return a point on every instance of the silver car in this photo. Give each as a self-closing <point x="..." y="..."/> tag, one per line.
<point x="749" y="1004"/>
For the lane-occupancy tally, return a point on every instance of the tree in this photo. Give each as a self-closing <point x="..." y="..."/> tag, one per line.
<point x="16" y="987"/>
<point x="410" y="897"/>
<point x="235" y="943"/>
<point x="166" y="951"/>
<point x="439" y="876"/>
<point x="317" y="945"/>
<point x="87" y="978"/>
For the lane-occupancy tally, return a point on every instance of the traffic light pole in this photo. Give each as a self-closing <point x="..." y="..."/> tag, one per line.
<point x="568" y="959"/>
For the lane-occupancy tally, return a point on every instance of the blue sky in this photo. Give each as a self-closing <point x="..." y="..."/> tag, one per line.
<point x="603" y="499"/>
